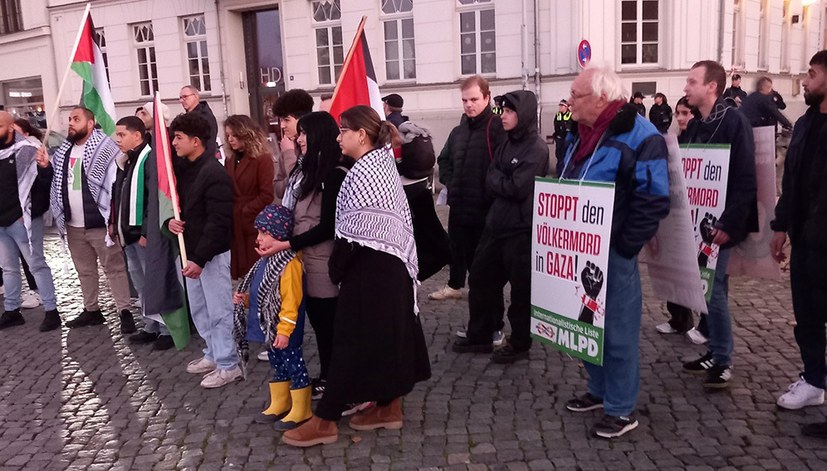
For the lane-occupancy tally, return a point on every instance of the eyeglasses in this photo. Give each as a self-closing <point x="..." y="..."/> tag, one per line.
<point x="344" y="130"/>
<point x="184" y="97"/>
<point x="575" y="96"/>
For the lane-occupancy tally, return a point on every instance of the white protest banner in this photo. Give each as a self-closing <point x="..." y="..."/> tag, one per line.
<point x="752" y="257"/>
<point x="706" y="169"/>
<point x="672" y="255"/>
<point x="571" y="231"/>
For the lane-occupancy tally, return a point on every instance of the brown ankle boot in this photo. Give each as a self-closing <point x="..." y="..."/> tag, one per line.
<point x="315" y="431"/>
<point x="389" y="417"/>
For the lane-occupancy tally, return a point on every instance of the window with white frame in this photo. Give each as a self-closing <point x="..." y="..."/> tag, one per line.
<point x="737" y="34"/>
<point x="144" y="40"/>
<point x="400" y="51"/>
<point x="639" y="32"/>
<point x="327" y="25"/>
<point x="477" y="36"/>
<point x="100" y="40"/>
<point x="763" y="34"/>
<point x="198" y="60"/>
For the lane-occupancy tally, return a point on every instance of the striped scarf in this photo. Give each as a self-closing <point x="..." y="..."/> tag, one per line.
<point x="134" y="188"/>
<point x="269" y="303"/>
<point x="24" y="154"/>
<point x="99" y="154"/>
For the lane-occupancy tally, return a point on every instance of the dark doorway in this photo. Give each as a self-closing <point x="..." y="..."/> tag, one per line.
<point x="265" y="64"/>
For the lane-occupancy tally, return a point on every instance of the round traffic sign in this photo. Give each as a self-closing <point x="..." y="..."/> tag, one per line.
<point x="584" y="53"/>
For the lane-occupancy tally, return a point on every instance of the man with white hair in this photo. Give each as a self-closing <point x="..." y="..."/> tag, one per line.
<point x="190" y="99"/>
<point x="612" y="143"/>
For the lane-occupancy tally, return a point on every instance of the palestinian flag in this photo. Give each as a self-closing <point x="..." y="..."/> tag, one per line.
<point x="88" y="63"/>
<point x="164" y="290"/>
<point x="357" y="83"/>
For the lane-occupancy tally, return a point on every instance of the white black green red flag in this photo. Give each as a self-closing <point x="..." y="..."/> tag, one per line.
<point x="357" y="83"/>
<point x="88" y="63"/>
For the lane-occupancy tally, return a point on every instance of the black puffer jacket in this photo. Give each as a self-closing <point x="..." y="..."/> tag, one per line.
<point x="463" y="164"/>
<point x="510" y="179"/>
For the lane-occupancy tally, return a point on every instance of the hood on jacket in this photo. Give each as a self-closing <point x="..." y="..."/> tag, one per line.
<point x="525" y="104"/>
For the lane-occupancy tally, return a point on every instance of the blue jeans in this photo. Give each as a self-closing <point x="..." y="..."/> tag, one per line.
<point x="618" y="380"/>
<point x="211" y="305"/>
<point x="718" y="320"/>
<point x="136" y="261"/>
<point x="15" y="242"/>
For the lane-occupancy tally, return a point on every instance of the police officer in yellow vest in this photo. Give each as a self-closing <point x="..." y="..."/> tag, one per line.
<point x="562" y="126"/>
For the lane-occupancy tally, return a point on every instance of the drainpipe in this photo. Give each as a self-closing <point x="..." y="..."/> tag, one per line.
<point x="221" y="60"/>
<point x="524" y="47"/>
<point x="721" y="23"/>
<point x="537" y="63"/>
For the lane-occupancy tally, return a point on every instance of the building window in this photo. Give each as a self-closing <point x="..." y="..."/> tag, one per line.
<point x="10" y="19"/>
<point x="147" y="67"/>
<point x="400" y="51"/>
<point x="737" y="35"/>
<point x="639" y="32"/>
<point x="477" y="36"/>
<point x="763" y="34"/>
<point x="330" y="54"/>
<point x="100" y="40"/>
<point x="198" y="61"/>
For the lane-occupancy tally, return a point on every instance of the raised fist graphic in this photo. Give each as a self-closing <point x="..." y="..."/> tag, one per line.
<point x="705" y="229"/>
<point x="592" y="278"/>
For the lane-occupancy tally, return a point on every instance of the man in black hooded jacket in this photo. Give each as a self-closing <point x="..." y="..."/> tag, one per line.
<point x="505" y="247"/>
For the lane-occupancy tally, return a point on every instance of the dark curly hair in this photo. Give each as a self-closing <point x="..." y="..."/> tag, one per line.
<point x="193" y="125"/>
<point x="296" y="103"/>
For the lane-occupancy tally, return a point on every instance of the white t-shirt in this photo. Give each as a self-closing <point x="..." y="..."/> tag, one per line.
<point x="74" y="187"/>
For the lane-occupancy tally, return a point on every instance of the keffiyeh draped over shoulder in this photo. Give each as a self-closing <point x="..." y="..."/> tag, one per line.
<point x="24" y="153"/>
<point x="372" y="210"/>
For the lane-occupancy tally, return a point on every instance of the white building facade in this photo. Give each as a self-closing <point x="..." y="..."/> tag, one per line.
<point x="243" y="53"/>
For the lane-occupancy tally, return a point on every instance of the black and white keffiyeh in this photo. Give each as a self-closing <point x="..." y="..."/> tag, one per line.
<point x="24" y="153"/>
<point x="99" y="154"/>
<point x="372" y="210"/>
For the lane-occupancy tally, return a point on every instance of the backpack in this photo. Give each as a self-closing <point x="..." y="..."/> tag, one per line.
<point x="417" y="157"/>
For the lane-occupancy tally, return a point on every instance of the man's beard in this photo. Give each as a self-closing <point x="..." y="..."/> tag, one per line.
<point x="813" y="98"/>
<point x="78" y="135"/>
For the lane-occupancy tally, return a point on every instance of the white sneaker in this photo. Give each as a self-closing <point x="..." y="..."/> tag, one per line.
<point x="801" y="394"/>
<point x="356" y="407"/>
<point x="446" y="292"/>
<point x="262" y="356"/>
<point x="665" y="328"/>
<point x="30" y="300"/>
<point x="200" y="366"/>
<point x="696" y="336"/>
<point x="220" y="377"/>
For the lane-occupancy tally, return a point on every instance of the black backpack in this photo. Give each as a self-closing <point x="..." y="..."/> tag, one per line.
<point x="418" y="156"/>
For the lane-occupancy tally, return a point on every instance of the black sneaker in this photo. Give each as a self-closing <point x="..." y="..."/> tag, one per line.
<point x="127" y="322"/>
<point x="508" y="354"/>
<point x="164" y="342"/>
<point x="584" y="403"/>
<point x="143" y="337"/>
<point x="86" y="318"/>
<point x="318" y="386"/>
<point x="718" y="377"/>
<point x="51" y="321"/>
<point x="613" y="427"/>
<point x="817" y="430"/>
<point x="11" y="319"/>
<point x="699" y="366"/>
<point x="465" y="346"/>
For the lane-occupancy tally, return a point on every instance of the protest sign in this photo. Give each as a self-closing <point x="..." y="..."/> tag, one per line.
<point x="706" y="169"/>
<point x="672" y="254"/>
<point x="571" y="231"/>
<point x="752" y="257"/>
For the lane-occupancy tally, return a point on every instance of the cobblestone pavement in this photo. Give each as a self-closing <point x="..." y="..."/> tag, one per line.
<point x="86" y="399"/>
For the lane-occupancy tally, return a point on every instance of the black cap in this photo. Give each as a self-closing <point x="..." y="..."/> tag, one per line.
<point x="394" y="100"/>
<point x="564" y="102"/>
<point x="637" y="95"/>
<point x="736" y="76"/>
<point x="502" y="101"/>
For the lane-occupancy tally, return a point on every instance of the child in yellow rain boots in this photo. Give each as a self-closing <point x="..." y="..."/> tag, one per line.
<point x="267" y="303"/>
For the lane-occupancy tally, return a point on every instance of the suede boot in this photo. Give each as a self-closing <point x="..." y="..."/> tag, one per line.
<point x="389" y="417"/>
<point x="315" y="431"/>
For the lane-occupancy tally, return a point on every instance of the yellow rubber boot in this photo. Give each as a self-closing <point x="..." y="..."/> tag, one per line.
<point x="279" y="403"/>
<point x="300" y="411"/>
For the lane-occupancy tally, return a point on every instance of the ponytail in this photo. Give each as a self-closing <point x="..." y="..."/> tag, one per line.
<point x="388" y="135"/>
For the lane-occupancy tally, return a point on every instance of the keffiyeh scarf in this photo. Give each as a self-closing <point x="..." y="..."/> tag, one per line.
<point x="99" y="154"/>
<point x="24" y="153"/>
<point x="269" y="303"/>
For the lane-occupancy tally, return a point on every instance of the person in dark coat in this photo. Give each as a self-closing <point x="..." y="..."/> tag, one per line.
<point x="734" y="95"/>
<point x="801" y="213"/>
<point x="379" y="350"/>
<point x="250" y="167"/>
<point x="760" y="108"/>
<point x="392" y="104"/>
<point x="190" y="99"/>
<point x="637" y="101"/>
<point x="660" y="114"/>
<point x="463" y="165"/>
<point x="722" y="124"/>
<point x="505" y="246"/>
<point x="562" y="128"/>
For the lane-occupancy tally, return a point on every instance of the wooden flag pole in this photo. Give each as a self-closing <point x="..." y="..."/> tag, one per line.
<point x="359" y="31"/>
<point x="170" y="177"/>
<point x="66" y="72"/>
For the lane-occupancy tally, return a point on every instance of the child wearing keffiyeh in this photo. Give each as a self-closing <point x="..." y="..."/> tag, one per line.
<point x="267" y="303"/>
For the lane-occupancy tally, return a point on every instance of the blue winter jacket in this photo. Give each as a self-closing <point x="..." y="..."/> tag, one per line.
<point x="632" y="155"/>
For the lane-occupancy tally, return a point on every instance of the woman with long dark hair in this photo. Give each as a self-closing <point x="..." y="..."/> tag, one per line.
<point x="250" y="167"/>
<point x="379" y="350"/>
<point x="312" y="190"/>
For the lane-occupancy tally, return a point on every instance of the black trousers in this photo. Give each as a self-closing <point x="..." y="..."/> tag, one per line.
<point x="809" y="292"/>
<point x="321" y="312"/>
<point x="463" y="239"/>
<point x="27" y="272"/>
<point x="681" y="319"/>
<point x="497" y="262"/>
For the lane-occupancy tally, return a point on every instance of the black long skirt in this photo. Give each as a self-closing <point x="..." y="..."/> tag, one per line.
<point x="379" y="350"/>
